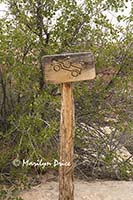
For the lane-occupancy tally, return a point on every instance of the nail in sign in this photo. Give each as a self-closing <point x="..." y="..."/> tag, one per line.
<point x="69" y="67"/>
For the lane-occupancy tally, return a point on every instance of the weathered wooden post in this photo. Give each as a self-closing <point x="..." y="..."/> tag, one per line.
<point x="65" y="69"/>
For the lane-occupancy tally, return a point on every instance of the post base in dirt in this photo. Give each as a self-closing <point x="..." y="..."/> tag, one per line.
<point x="66" y="171"/>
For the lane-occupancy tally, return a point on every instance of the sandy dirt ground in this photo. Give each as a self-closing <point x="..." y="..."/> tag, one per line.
<point x="95" y="190"/>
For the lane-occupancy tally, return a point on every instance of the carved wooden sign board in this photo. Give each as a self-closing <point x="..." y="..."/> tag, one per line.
<point x="69" y="67"/>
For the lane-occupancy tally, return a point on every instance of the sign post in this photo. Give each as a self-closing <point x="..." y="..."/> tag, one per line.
<point x="65" y="69"/>
<point x="67" y="124"/>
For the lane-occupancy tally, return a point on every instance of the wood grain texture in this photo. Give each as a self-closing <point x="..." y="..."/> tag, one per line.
<point x="67" y="126"/>
<point x="70" y="67"/>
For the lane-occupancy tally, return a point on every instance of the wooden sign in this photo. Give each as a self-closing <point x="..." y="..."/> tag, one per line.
<point x="69" y="67"/>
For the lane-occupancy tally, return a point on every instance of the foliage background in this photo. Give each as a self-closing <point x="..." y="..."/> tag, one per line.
<point x="30" y="109"/>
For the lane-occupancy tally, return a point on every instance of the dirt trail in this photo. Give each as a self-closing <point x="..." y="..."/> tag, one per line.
<point x="96" y="190"/>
